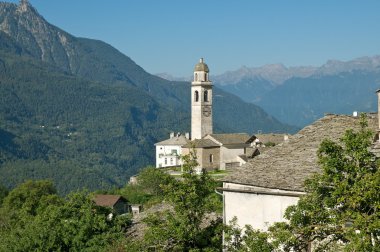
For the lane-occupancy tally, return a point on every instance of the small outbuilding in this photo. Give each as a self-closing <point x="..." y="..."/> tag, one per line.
<point x="116" y="202"/>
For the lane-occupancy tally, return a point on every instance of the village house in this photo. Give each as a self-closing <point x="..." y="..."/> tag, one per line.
<point x="258" y="192"/>
<point x="117" y="203"/>
<point x="169" y="151"/>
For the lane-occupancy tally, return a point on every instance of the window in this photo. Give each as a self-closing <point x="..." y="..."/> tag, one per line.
<point x="205" y="96"/>
<point x="211" y="158"/>
<point x="196" y="77"/>
<point x="174" y="152"/>
<point x="196" y="96"/>
<point x="205" y="76"/>
<point x="171" y="161"/>
<point x="166" y="161"/>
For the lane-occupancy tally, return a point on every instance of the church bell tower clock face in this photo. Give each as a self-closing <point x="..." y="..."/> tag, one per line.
<point x="207" y="111"/>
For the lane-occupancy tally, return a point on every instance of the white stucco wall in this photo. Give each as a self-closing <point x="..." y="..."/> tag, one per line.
<point x="166" y="152"/>
<point x="260" y="209"/>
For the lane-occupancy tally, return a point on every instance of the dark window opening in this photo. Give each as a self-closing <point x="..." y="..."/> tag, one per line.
<point x="196" y="96"/>
<point x="205" y="96"/>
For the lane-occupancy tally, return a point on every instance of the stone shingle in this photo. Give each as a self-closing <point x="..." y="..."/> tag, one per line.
<point x="287" y="165"/>
<point x="177" y="140"/>
<point x="234" y="138"/>
<point x="201" y="143"/>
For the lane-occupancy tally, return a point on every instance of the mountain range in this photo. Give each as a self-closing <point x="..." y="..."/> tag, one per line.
<point x="301" y="95"/>
<point x="79" y="112"/>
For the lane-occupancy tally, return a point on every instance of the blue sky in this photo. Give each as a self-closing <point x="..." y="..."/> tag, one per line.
<point x="171" y="35"/>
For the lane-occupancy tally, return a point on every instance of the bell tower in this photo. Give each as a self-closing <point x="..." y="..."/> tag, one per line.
<point x="201" y="102"/>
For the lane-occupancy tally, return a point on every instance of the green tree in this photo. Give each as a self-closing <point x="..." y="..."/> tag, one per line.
<point x="245" y="239"/>
<point x="151" y="180"/>
<point x="27" y="200"/>
<point x="341" y="208"/>
<point x="71" y="224"/>
<point x="180" y="229"/>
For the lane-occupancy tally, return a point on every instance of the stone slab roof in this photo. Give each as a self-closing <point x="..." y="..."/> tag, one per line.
<point x="201" y="143"/>
<point x="177" y="140"/>
<point x="287" y="165"/>
<point x="274" y="138"/>
<point x="107" y="200"/>
<point x="234" y="138"/>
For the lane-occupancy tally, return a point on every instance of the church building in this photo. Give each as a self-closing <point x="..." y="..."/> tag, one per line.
<point x="214" y="151"/>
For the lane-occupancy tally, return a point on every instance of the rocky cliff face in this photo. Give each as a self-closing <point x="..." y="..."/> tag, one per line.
<point x="41" y="40"/>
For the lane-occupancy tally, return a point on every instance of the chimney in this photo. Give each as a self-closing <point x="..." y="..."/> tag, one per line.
<point x="286" y="138"/>
<point x="355" y="114"/>
<point x="171" y="134"/>
<point x="187" y="135"/>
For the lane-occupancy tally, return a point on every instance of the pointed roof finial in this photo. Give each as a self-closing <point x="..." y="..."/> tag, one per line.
<point x="201" y="60"/>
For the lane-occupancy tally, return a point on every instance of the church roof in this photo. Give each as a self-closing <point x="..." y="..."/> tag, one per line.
<point x="201" y="66"/>
<point x="201" y="143"/>
<point x="176" y="140"/>
<point x="233" y="138"/>
<point x="288" y="164"/>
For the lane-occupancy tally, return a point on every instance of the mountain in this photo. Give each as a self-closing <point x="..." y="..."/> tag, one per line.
<point x="301" y="101"/>
<point x="251" y="84"/>
<point x="79" y="112"/>
<point x="335" y="87"/>
<point x="274" y="73"/>
<point x="301" y="95"/>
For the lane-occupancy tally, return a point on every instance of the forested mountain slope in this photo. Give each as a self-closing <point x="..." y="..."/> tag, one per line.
<point x="82" y="113"/>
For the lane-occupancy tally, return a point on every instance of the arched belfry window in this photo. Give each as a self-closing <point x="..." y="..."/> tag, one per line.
<point x="205" y="96"/>
<point x="196" y="96"/>
<point x="196" y="77"/>
<point x="205" y="76"/>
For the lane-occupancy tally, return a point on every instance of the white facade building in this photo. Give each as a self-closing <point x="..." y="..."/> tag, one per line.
<point x="258" y="192"/>
<point x="258" y="207"/>
<point x="168" y="152"/>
